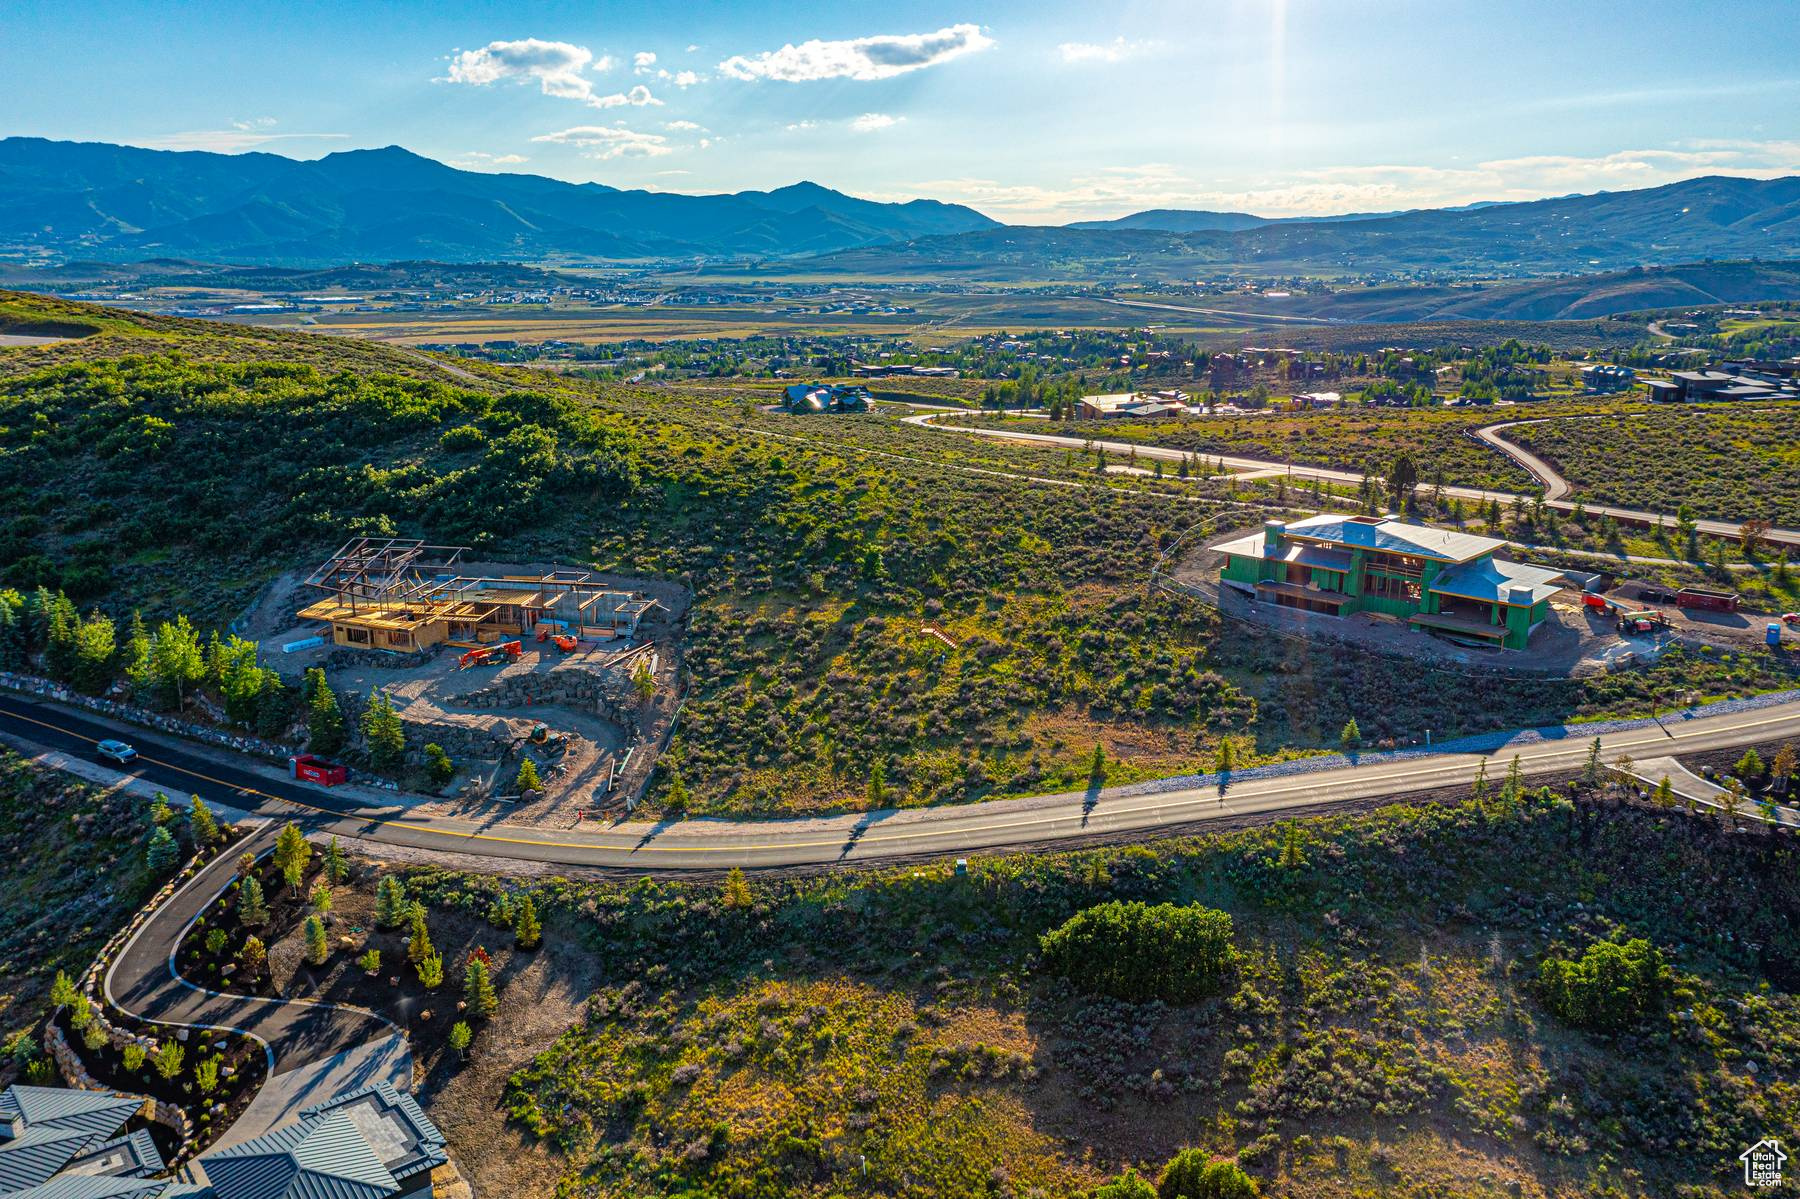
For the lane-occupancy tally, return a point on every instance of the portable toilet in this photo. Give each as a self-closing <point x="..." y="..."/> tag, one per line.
<point x="1773" y="633"/>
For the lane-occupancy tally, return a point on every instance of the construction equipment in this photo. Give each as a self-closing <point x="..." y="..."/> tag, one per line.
<point x="1644" y="620"/>
<point x="565" y="643"/>
<point x="545" y="628"/>
<point x="492" y="655"/>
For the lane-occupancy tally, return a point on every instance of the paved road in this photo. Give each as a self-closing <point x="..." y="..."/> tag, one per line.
<point x="712" y="845"/>
<point x="1238" y="464"/>
<point x="314" y="1051"/>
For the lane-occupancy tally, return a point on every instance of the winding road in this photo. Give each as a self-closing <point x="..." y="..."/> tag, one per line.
<point x="708" y="845"/>
<point x="1556" y="488"/>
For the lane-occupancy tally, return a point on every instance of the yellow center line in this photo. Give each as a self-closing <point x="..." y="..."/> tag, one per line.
<point x="1173" y="800"/>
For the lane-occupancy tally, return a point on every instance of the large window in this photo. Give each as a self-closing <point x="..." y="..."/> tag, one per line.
<point x="1386" y="587"/>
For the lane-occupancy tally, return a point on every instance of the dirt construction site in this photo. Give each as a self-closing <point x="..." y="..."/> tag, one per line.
<point x="498" y="668"/>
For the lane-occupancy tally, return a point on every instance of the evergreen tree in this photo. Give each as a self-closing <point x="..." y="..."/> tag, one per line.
<point x="252" y="909"/>
<point x="418" y="940"/>
<point x="877" y="785"/>
<point x="1513" y="789"/>
<point x="59" y="639"/>
<point x="390" y="902"/>
<point x="337" y="866"/>
<point x="12" y="630"/>
<point x="62" y="991"/>
<point x="292" y="856"/>
<point x="324" y="719"/>
<point x="460" y="1036"/>
<point x="253" y="956"/>
<point x="321" y="898"/>
<point x="168" y="1059"/>
<point x="240" y="679"/>
<point x="527" y="932"/>
<point x="478" y="990"/>
<point x="1097" y="766"/>
<point x="737" y="891"/>
<point x="1593" y="772"/>
<point x="134" y="657"/>
<point x="202" y="825"/>
<point x="1664" y="794"/>
<point x="1482" y="791"/>
<point x="1351" y="736"/>
<point x="438" y="766"/>
<point x="163" y="852"/>
<point x="430" y="969"/>
<point x="317" y="947"/>
<point x="1225" y="757"/>
<point x="528" y="777"/>
<point x="382" y="729"/>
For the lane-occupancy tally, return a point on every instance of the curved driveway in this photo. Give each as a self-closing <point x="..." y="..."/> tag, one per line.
<point x="873" y="837"/>
<point x="314" y="1050"/>
<point x="1555" y="486"/>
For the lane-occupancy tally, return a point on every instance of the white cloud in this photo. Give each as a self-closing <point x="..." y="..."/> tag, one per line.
<point x="637" y="97"/>
<point x="240" y="136"/>
<point x="478" y="160"/>
<point x="1114" y="191"/>
<point x="802" y="126"/>
<point x="683" y="126"/>
<point x="873" y="122"/>
<point x="880" y="57"/>
<point x="610" y="141"/>
<point x="642" y="61"/>
<point x="681" y="79"/>
<point x="691" y="49"/>
<point x="1117" y="50"/>
<point x="558" y="67"/>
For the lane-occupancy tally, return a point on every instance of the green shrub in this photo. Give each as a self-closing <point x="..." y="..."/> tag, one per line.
<point x="1139" y="952"/>
<point x="1129" y="1185"/>
<point x="1191" y="1174"/>
<point x="1614" y="985"/>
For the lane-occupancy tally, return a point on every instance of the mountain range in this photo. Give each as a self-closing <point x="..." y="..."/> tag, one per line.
<point x="95" y="200"/>
<point x="81" y="200"/>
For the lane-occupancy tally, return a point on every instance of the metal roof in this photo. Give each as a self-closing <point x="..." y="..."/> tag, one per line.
<point x="1391" y="536"/>
<point x="88" y="1186"/>
<point x="98" y="1112"/>
<point x="323" y="1158"/>
<point x="393" y="1123"/>
<point x="1493" y="581"/>
<point x="133" y="1155"/>
<point x="35" y="1155"/>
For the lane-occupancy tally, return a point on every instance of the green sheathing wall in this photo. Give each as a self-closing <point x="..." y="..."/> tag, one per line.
<point x="1241" y="569"/>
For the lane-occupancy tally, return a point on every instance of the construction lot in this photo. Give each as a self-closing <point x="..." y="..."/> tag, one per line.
<point x="497" y="663"/>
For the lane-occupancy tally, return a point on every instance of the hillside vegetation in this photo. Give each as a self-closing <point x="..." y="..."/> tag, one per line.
<point x="1404" y="1014"/>
<point x="884" y="614"/>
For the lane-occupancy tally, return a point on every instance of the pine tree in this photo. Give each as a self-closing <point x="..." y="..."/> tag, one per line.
<point x="292" y="856"/>
<point x="1097" y="766"/>
<point x="1593" y="773"/>
<point x="337" y="866"/>
<point x="134" y="658"/>
<point x="1513" y="789"/>
<point x="438" y="766"/>
<point x="418" y="940"/>
<point x="390" y="902"/>
<point x="877" y="785"/>
<point x="460" y="1036"/>
<point x="737" y="891"/>
<point x="528" y="777"/>
<point x="430" y="969"/>
<point x="253" y="956"/>
<point x="168" y="1059"/>
<point x="1225" y="757"/>
<point x="59" y="639"/>
<point x="95" y="646"/>
<point x="324" y="719"/>
<point x="62" y="991"/>
<point x="370" y="961"/>
<point x="163" y="852"/>
<point x="527" y="932"/>
<point x="321" y="898"/>
<point x="252" y="909"/>
<point x="202" y="825"/>
<point x="1665" y="794"/>
<point x="317" y="947"/>
<point x="478" y="990"/>
<point x="383" y="731"/>
<point x="1351" y="736"/>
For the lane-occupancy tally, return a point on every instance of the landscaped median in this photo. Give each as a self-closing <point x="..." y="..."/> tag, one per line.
<point x="198" y="1078"/>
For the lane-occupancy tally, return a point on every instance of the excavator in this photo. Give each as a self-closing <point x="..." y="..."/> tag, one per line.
<point x="492" y="655"/>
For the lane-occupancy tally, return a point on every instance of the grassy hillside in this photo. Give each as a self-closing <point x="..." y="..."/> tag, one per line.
<point x="897" y="1033"/>
<point x="819" y="551"/>
<point x="73" y="870"/>
<point x="1721" y="461"/>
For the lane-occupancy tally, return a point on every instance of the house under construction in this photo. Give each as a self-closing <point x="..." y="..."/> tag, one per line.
<point x="393" y="594"/>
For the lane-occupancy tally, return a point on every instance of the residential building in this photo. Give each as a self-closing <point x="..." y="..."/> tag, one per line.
<point x="1431" y="578"/>
<point x="1603" y="378"/>
<point x="370" y="1143"/>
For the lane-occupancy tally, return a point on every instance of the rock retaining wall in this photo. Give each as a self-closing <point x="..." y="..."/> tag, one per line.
<point x="132" y="714"/>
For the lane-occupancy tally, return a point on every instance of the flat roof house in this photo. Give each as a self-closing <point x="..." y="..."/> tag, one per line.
<point x="1431" y="578"/>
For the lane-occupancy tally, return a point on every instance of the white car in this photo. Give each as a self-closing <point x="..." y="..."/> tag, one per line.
<point x="118" y="751"/>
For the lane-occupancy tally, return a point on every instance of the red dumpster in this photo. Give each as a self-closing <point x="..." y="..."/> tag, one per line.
<point x="312" y="769"/>
<point x="1707" y="599"/>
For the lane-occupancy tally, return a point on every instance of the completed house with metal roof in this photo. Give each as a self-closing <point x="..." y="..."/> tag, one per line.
<point x="1432" y="578"/>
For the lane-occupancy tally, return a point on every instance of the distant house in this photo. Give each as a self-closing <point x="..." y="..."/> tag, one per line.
<point x="1431" y="578"/>
<point x="1162" y="405"/>
<point x="812" y="398"/>
<point x="1603" y="378"/>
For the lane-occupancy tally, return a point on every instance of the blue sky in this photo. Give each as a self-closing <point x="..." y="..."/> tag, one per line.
<point x="1040" y="112"/>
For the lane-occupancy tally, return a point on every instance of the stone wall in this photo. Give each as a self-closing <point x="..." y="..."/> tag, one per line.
<point x="132" y="714"/>
<point x="605" y="692"/>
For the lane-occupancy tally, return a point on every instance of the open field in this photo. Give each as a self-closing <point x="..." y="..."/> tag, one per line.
<point x="1717" y="459"/>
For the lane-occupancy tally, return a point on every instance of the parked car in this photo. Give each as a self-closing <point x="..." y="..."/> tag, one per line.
<point x="118" y="751"/>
